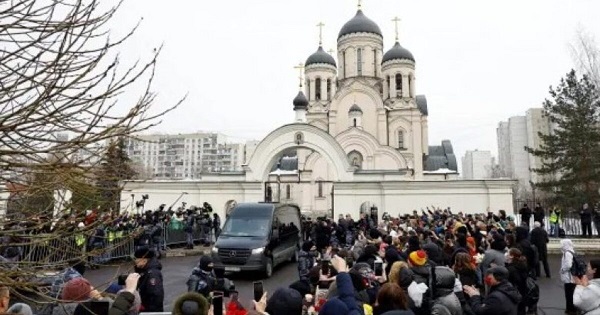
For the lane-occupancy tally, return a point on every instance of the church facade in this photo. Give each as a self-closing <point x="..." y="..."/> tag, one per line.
<point x="359" y="143"/>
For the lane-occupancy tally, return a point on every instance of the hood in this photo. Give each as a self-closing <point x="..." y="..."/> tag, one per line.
<point x="509" y="290"/>
<point x="434" y="253"/>
<point x="521" y="233"/>
<point x="566" y="245"/>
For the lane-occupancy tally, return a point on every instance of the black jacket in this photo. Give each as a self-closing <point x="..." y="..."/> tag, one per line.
<point x="586" y="215"/>
<point x="539" y="214"/>
<point x="122" y="304"/>
<point x="151" y="287"/>
<point x="503" y="299"/>
<point x="539" y="238"/>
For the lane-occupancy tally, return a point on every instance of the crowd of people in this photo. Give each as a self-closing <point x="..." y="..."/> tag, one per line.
<point x="433" y="262"/>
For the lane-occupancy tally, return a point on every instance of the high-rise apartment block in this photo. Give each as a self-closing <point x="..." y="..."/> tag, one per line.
<point x="477" y="165"/>
<point x="513" y="136"/>
<point x="186" y="156"/>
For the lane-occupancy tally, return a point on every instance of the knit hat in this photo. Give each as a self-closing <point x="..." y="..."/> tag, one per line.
<point x="285" y="301"/>
<point x="144" y="252"/>
<point x="76" y="290"/>
<point x="204" y="263"/>
<point x="334" y="307"/>
<point x="418" y="258"/>
<point x="500" y="273"/>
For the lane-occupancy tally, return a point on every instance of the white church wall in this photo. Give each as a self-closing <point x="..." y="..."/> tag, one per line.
<point x="406" y="196"/>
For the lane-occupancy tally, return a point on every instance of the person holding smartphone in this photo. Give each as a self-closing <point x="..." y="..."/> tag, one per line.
<point x="345" y="302"/>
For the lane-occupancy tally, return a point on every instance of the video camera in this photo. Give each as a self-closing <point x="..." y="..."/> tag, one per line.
<point x="223" y="284"/>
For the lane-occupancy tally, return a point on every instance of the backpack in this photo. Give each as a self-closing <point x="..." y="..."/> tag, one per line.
<point x="533" y="292"/>
<point x="579" y="266"/>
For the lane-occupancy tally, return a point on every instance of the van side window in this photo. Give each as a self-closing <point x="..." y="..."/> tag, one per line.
<point x="289" y="221"/>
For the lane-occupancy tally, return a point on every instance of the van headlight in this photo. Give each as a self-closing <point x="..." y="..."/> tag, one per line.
<point x="258" y="251"/>
<point x="215" y="250"/>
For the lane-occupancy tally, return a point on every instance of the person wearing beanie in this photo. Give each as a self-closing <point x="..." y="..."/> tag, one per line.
<point x="76" y="292"/>
<point x="150" y="284"/>
<point x="285" y="301"/>
<point x="417" y="258"/>
<point x="494" y="255"/>
<point x="190" y="303"/>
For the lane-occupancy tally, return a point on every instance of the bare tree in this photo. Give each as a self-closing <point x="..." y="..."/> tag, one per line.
<point x="586" y="54"/>
<point x="61" y="88"/>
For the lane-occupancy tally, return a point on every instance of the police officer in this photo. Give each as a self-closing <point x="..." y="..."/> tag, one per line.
<point x="150" y="284"/>
<point x="203" y="279"/>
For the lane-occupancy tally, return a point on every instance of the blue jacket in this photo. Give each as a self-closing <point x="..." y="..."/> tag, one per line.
<point x="345" y="303"/>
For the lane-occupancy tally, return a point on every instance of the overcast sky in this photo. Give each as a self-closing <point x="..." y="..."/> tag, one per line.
<point x="478" y="62"/>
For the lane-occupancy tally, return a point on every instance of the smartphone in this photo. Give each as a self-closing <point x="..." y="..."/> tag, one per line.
<point x="258" y="291"/>
<point x="349" y="262"/>
<point x="122" y="279"/>
<point x="217" y="302"/>
<point x="378" y="269"/>
<point x="325" y="267"/>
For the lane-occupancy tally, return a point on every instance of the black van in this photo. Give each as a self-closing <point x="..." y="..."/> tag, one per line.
<point x="258" y="237"/>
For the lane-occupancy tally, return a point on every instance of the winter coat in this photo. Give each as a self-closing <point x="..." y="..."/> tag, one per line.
<point x="399" y="312"/>
<point x="587" y="299"/>
<point x="523" y="244"/>
<point x="445" y="279"/>
<point x="122" y="304"/>
<point x="345" y="303"/>
<point x="502" y="300"/>
<point x="586" y="215"/>
<point x="468" y="277"/>
<point x="517" y="276"/>
<point x="151" y="287"/>
<point x="566" y="246"/>
<point x="69" y="308"/>
<point x="539" y="238"/>
<point x="538" y="214"/>
<point x="305" y="263"/>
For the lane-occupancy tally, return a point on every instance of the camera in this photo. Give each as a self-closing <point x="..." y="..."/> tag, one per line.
<point x="223" y="284"/>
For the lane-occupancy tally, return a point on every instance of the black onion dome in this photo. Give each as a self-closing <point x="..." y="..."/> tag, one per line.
<point x="355" y="108"/>
<point x="320" y="56"/>
<point x="300" y="101"/>
<point x="360" y="24"/>
<point x="398" y="52"/>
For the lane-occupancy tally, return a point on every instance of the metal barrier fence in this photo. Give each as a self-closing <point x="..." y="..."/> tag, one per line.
<point x="569" y="222"/>
<point x="47" y="250"/>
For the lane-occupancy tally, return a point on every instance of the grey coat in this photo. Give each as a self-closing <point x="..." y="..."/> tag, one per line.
<point x="492" y="256"/>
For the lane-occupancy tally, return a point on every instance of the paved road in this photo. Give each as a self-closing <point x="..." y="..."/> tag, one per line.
<point x="177" y="269"/>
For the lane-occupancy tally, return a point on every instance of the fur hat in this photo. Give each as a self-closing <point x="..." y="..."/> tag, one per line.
<point x="76" y="290"/>
<point x="144" y="252"/>
<point x="418" y="258"/>
<point x="190" y="303"/>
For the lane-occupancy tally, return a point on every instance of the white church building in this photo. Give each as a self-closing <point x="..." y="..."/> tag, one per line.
<point x="359" y="142"/>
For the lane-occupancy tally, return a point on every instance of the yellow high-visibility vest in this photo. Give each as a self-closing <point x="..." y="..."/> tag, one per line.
<point x="554" y="218"/>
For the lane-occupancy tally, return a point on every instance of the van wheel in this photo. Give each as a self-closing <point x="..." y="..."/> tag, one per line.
<point x="269" y="268"/>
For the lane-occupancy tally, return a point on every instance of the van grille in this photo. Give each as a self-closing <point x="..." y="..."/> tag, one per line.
<point x="235" y="256"/>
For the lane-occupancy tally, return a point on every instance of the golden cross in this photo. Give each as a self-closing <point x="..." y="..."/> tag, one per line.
<point x="320" y="26"/>
<point x="359" y="4"/>
<point x="300" y="68"/>
<point x="396" y="20"/>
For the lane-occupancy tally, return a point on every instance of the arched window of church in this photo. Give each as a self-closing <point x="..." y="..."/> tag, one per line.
<point x="329" y="96"/>
<point x="359" y="61"/>
<point x="356" y="159"/>
<point x="320" y="189"/>
<point x="354" y="122"/>
<point x="318" y="89"/>
<point x="401" y="139"/>
<point x="308" y="88"/>
<point x="288" y="192"/>
<point x="388" y="85"/>
<point x="399" y="84"/>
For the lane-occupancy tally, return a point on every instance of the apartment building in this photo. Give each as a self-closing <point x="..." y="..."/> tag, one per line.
<point x="186" y="156"/>
<point x="477" y="165"/>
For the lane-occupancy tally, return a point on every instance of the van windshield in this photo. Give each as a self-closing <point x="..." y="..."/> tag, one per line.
<point x="246" y="226"/>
